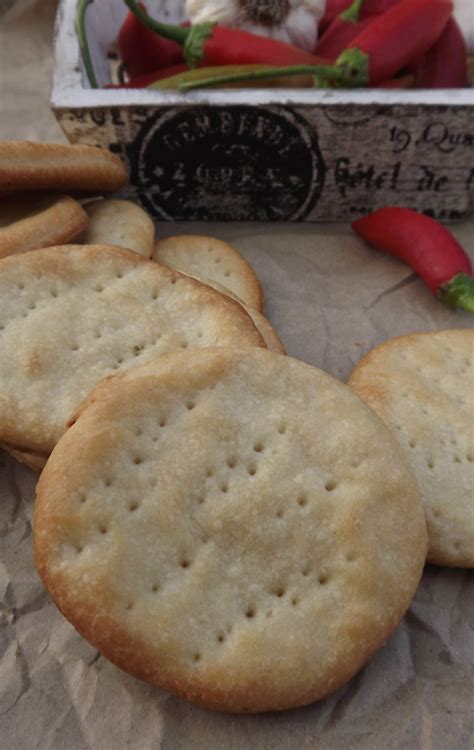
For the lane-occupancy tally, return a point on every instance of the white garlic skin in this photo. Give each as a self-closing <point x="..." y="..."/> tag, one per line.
<point x="300" y="27"/>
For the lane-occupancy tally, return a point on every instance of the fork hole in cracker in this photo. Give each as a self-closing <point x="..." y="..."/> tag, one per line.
<point x="279" y="592"/>
<point x="457" y="459"/>
<point x="252" y="470"/>
<point x="185" y="563"/>
<point x="224" y="487"/>
<point x="190" y="405"/>
<point x="250" y="613"/>
<point x="282" y="428"/>
<point x="330" y="485"/>
<point x="155" y="588"/>
<point x="258" y="447"/>
<point x="103" y="529"/>
<point x="302" y="499"/>
<point x="231" y="462"/>
<point x="295" y="601"/>
<point x="323" y="579"/>
<point x="133" y="506"/>
<point x="306" y="570"/>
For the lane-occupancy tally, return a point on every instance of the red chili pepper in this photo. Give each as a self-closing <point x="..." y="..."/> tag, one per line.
<point x="142" y="51"/>
<point x="334" y="8"/>
<point x="393" y="40"/>
<point x="146" y="79"/>
<point x="444" y="66"/>
<point x="376" y="7"/>
<point x="403" y="82"/>
<point x="341" y="31"/>
<point x="209" y="45"/>
<point x="428" y="247"/>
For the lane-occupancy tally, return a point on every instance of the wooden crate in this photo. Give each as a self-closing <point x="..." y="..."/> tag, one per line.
<point x="263" y="154"/>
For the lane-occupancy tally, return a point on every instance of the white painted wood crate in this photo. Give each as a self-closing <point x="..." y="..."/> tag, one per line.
<point x="263" y="154"/>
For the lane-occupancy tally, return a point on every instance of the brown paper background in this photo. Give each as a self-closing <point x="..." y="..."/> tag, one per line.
<point x="331" y="299"/>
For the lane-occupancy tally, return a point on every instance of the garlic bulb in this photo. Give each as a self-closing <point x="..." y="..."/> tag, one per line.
<point x="292" y="21"/>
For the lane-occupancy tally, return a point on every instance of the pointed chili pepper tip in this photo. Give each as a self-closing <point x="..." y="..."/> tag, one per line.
<point x="459" y="292"/>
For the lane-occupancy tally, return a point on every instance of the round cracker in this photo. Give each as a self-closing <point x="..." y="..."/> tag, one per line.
<point x="261" y="323"/>
<point x="70" y="315"/>
<point x="213" y="259"/>
<point x="239" y="528"/>
<point x="34" y="461"/>
<point x="422" y="385"/>
<point x="122" y="224"/>
<point x="33" y="222"/>
<point x="25" y="165"/>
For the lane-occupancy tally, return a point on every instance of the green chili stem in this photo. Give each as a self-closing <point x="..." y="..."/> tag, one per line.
<point x="83" y="43"/>
<point x="175" y="33"/>
<point x="191" y="39"/>
<point x="459" y="292"/>
<point x="324" y="71"/>
<point x="352" y="13"/>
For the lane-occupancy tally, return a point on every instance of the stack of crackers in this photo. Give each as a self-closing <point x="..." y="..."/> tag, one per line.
<point x="216" y="518"/>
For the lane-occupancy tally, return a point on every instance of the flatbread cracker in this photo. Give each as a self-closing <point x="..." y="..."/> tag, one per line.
<point x="34" y="461"/>
<point x="122" y="224"/>
<point x="70" y="315"/>
<point x="213" y="259"/>
<point x="422" y="385"/>
<point x="262" y="324"/>
<point x="25" y="165"/>
<point x="239" y="528"/>
<point x="32" y="222"/>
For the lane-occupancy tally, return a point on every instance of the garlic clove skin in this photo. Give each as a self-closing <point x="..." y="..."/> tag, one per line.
<point x="299" y="26"/>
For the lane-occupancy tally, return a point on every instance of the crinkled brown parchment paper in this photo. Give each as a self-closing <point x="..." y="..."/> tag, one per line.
<point x="331" y="299"/>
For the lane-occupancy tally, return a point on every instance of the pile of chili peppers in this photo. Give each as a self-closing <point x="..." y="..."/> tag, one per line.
<point x="362" y="43"/>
